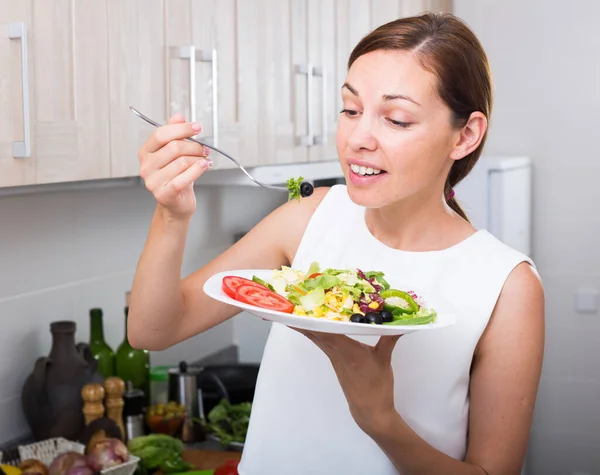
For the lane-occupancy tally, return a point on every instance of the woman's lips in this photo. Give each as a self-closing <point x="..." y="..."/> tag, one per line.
<point x="358" y="179"/>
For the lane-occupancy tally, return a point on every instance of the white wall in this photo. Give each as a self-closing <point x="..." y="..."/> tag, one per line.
<point x="545" y="57"/>
<point x="62" y="253"/>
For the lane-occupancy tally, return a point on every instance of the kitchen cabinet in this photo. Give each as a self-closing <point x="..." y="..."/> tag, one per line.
<point x="263" y="78"/>
<point x="414" y="7"/>
<point x="287" y="54"/>
<point x="137" y="77"/>
<point x="353" y="23"/>
<point x="17" y="165"/>
<point x="202" y="81"/>
<point x="67" y="89"/>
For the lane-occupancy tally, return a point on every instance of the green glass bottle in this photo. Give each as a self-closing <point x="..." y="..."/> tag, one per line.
<point x="134" y="365"/>
<point x="99" y="348"/>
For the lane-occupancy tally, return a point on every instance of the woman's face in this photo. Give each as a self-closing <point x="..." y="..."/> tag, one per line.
<point x="395" y="134"/>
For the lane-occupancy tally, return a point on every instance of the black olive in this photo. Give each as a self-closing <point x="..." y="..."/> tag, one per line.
<point x="357" y="318"/>
<point x="373" y="317"/>
<point x="387" y="316"/>
<point x="306" y="189"/>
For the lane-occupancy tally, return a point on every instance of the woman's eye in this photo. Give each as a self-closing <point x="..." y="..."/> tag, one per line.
<point x="398" y="123"/>
<point x="349" y="112"/>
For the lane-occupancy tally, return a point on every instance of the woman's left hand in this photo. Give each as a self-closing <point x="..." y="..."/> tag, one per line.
<point x="365" y="375"/>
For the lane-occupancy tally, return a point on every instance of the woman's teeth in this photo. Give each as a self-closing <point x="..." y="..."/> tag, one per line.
<point x="359" y="170"/>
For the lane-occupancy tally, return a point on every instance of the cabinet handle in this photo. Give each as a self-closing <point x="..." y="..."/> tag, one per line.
<point x="18" y="31"/>
<point x="320" y="72"/>
<point x="193" y="55"/>
<point x="306" y="70"/>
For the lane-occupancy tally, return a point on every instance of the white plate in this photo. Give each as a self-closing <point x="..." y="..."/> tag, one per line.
<point x="213" y="288"/>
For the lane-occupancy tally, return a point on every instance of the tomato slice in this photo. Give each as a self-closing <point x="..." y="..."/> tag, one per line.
<point x="316" y="274"/>
<point x="231" y="283"/>
<point x="264" y="298"/>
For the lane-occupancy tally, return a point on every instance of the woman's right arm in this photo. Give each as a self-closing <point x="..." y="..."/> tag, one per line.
<point x="164" y="309"/>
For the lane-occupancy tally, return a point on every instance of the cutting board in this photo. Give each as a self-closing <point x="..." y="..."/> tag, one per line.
<point x="208" y="460"/>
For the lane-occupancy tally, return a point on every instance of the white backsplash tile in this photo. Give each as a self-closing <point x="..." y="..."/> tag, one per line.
<point x="559" y="289"/>
<point x="12" y="421"/>
<point x="65" y="252"/>
<point x="567" y="355"/>
<point x="26" y="334"/>
<point x="564" y="453"/>
<point x="567" y="406"/>
<point x="36" y="236"/>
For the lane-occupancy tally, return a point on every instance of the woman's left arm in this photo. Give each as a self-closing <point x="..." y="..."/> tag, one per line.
<point x="504" y="382"/>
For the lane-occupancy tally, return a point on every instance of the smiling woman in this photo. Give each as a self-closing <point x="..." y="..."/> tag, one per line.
<point x="458" y="400"/>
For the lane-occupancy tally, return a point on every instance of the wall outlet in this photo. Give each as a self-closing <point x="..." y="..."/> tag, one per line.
<point x="586" y="301"/>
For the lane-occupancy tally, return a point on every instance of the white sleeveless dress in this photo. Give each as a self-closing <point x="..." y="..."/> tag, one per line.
<point x="300" y="421"/>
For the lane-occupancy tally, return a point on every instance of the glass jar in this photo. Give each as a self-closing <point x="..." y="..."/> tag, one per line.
<point x="159" y="384"/>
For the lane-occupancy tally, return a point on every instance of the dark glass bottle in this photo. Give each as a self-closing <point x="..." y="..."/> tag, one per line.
<point x="134" y="365"/>
<point x="102" y="353"/>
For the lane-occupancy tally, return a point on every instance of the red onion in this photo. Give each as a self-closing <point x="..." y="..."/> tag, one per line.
<point x="83" y="470"/>
<point x="63" y="463"/>
<point x="107" y="453"/>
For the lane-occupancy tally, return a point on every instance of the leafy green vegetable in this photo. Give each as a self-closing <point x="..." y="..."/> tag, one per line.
<point x="421" y="317"/>
<point x="157" y="450"/>
<point x="313" y="269"/>
<point x="293" y="186"/>
<point x="313" y="299"/>
<point x="378" y="277"/>
<point x="229" y="421"/>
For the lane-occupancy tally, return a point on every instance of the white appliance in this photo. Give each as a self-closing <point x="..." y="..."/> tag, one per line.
<point x="496" y="196"/>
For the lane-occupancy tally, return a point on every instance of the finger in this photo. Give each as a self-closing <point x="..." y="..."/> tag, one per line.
<point x="386" y="344"/>
<point x="306" y="333"/>
<point x="186" y="178"/>
<point x="172" y="151"/>
<point x="167" y="133"/>
<point x="161" y="178"/>
<point x="177" y="118"/>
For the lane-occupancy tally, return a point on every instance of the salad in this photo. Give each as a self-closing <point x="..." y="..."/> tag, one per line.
<point x="345" y="295"/>
<point x="298" y="188"/>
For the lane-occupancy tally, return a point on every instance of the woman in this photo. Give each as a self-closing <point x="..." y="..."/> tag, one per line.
<point x="417" y="101"/>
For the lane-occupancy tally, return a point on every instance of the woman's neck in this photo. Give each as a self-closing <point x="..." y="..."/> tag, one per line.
<point x="418" y="224"/>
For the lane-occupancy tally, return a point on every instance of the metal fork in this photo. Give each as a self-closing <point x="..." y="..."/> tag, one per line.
<point x="190" y="139"/>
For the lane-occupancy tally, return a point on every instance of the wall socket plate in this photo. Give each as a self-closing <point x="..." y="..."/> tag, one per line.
<point x="586" y="300"/>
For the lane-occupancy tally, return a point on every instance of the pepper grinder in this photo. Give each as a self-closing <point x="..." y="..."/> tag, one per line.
<point x="114" y="388"/>
<point x="93" y="408"/>
<point x="133" y="412"/>
<point x="183" y="389"/>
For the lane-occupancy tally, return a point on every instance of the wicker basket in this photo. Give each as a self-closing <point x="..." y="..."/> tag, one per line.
<point x="46" y="450"/>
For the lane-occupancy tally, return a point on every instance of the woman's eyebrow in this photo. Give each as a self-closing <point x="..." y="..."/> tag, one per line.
<point x="386" y="97"/>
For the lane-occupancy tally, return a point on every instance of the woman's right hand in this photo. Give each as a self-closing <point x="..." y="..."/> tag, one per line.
<point x="169" y="166"/>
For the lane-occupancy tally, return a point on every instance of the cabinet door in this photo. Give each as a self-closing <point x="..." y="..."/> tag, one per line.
<point x="272" y="99"/>
<point x="17" y="164"/>
<point x="70" y="113"/>
<point x="353" y="22"/>
<point x="136" y="72"/>
<point x="201" y="70"/>
<point x="414" y="7"/>
<point x="324" y="87"/>
<point x="384" y="11"/>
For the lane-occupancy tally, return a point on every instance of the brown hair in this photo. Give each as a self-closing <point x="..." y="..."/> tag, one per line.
<point x="445" y="46"/>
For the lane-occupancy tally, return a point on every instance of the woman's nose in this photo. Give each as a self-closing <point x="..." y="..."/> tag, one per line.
<point x="361" y="137"/>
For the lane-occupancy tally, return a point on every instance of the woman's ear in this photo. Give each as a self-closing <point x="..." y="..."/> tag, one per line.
<point x="470" y="136"/>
